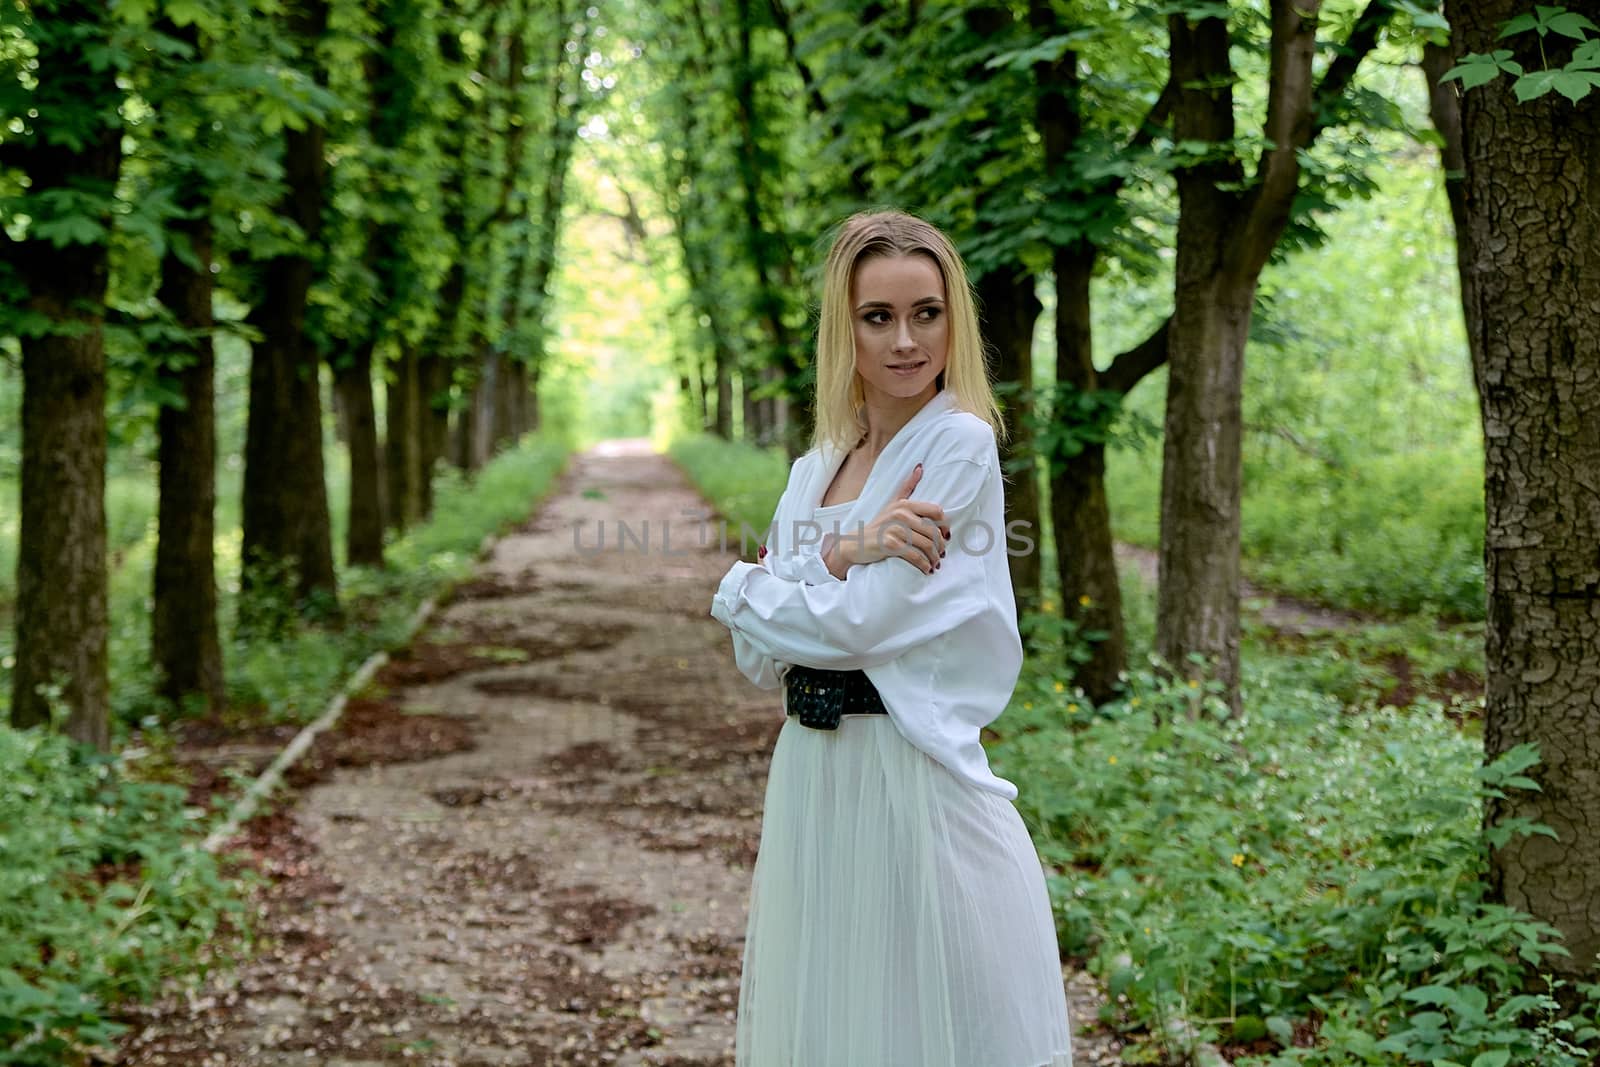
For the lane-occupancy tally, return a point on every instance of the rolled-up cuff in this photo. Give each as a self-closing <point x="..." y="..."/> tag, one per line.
<point x="730" y="592"/>
<point x="814" y="570"/>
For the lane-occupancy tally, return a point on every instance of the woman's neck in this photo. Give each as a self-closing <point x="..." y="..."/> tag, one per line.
<point x="885" y="416"/>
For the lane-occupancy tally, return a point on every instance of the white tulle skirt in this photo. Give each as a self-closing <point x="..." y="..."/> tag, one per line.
<point x="898" y="915"/>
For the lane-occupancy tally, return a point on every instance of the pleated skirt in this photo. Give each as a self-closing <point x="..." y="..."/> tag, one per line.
<point x="898" y="915"/>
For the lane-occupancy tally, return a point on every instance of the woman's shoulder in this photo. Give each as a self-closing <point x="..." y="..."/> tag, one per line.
<point x="960" y="434"/>
<point x="801" y="468"/>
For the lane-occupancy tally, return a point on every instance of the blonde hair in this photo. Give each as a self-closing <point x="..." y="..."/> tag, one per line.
<point x="839" y="396"/>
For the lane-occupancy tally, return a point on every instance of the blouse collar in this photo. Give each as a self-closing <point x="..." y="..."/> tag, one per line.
<point x="832" y="458"/>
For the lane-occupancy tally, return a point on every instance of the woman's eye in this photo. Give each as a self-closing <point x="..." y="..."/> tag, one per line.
<point x="932" y="314"/>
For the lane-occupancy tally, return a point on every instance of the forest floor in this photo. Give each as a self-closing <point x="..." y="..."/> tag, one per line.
<point x="531" y="841"/>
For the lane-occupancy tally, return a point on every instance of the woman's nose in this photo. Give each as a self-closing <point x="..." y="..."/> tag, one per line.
<point x="903" y="336"/>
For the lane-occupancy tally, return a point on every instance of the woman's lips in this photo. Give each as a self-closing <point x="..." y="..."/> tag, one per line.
<point x="908" y="368"/>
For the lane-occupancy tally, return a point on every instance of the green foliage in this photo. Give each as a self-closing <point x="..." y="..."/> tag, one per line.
<point x="1298" y="861"/>
<point x="103" y="895"/>
<point x="1574" y="79"/>
<point x="1408" y="536"/>
<point x="1064" y="420"/>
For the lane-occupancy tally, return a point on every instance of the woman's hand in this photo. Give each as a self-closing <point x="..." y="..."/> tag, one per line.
<point x="913" y="530"/>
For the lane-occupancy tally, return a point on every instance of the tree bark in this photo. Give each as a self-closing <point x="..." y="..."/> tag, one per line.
<point x="285" y="507"/>
<point x="1444" y="105"/>
<point x="465" y="433"/>
<point x="500" y="412"/>
<point x="61" y="591"/>
<point x="1086" y="563"/>
<point x="402" y="440"/>
<point x="1530" y="263"/>
<point x="434" y="378"/>
<point x="352" y="384"/>
<point x="1008" y="312"/>
<point x="750" y="416"/>
<point x="185" y="648"/>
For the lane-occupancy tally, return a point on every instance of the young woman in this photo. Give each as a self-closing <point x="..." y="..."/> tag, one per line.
<point x="898" y="910"/>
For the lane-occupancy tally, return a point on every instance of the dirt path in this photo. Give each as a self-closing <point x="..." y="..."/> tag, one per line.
<point x="567" y="883"/>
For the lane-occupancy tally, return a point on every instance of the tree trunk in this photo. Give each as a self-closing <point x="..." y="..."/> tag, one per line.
<point x="61" y="627"/>
<point x="1086" y="565"/>
<point x="1086" y="562"/>
<point x="1224" y="240"/>
<point x="1198" y="569"/>
<point x="465" y="433"/>
<point x="1009" y="310"/>
<point x="484" y="392"/>
<point x="435" y="374"/>
<point x="352" y="384"/>
<point x="749" y="418"/>
<point x="61" y="558"/>
<point x="517" y="398"/>
<point x="1444" y="105"/>
<point x="1531" y="272"/>
<point x="185" y="648"/>
<point x="773" y="427"/>
<point x="401" y="440"/>
<point x="500" y="397"/>
<point x="535" y="416"/>
<point x="285" y="507"/>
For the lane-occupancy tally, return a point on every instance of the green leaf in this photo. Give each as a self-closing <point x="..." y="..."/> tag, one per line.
<point x="1047" y="51"/>
<point x="1493" y="1058"/>
<point x="1571" y="24"/>
<point x="184" y="12"/>
<point x="71" y="229"/>
<point x="1473" y="70"/>
<point x="1575" y="84"/>
<point x="1520" y="24"/>
<point x="1532" y="86"/>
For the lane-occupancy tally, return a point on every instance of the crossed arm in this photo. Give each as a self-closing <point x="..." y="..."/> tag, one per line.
<point x="873" y="615"/>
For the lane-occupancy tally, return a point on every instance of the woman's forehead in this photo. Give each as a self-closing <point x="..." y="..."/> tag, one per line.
<point x="908" y="278"/>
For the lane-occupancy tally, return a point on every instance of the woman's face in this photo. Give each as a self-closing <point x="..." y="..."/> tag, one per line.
<point x="901" y="326"/>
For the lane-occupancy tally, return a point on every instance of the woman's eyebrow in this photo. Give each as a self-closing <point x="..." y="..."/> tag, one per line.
<point x="886" y="304"/>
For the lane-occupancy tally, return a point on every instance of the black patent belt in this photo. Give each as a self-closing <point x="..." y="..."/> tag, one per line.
<point x="819" y="697"/>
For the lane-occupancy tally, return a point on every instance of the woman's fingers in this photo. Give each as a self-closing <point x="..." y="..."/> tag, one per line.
<point x="910" y="483"/>
<point x="919" y="546"/>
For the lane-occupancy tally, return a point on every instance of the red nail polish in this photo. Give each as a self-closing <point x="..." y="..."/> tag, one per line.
<point x="761" y="553"/>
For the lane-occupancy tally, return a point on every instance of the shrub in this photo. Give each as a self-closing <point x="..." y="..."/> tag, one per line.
<point x="1293" y="864"/>
<point x="103" y="895"/>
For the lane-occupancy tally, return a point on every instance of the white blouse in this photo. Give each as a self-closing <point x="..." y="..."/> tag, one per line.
<point x="942" y="649"/>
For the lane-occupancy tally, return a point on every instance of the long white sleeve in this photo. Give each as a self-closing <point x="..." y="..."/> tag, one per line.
<point x="753" y="660"/>
<point x="881" y="609"/>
